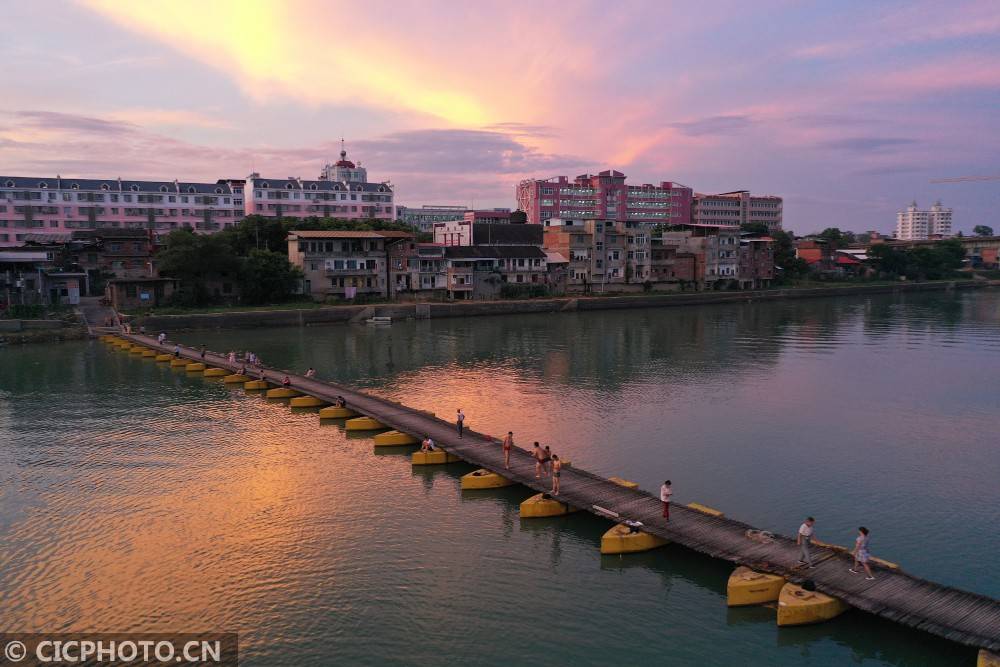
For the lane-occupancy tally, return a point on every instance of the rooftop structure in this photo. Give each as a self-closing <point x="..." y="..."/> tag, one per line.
<point x="344" y="170"/>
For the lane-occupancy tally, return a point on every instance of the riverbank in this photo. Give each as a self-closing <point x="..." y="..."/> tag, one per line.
<point x="341" y="314"/>
<point x="46" y="335"/>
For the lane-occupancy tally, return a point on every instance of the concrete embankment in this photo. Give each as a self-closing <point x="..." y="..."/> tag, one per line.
<point x="18" y="332"/>
<point x="337" y="314"/>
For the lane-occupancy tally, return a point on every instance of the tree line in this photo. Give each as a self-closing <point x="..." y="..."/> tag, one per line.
<point x="251" y="256"/>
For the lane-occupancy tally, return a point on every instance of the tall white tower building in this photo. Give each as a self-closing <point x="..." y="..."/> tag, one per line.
<point x="913" y="224"/>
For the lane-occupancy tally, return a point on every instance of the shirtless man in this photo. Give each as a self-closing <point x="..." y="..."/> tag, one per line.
<point x="508" y="442"/>
<point x="539" y="455"/>
<point x="556" y="469"/>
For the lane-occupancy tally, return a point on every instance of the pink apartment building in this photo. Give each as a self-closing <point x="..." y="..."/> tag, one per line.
<point x="30" y="205"/>
<point x="605" y="196"/>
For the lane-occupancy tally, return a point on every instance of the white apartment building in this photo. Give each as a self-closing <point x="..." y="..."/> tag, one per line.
<point x="915" y="225"/>
<point x="737" y="208"/>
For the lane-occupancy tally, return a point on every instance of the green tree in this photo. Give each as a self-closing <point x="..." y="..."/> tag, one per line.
<point x="784" y="255"/>
<point x="834" y="237"/>
<point x="268" y="277"/>
<point x="887" y="260"/>
<point x="195" y="260"/>
<point x="982" y="230"/>
<point x="755" y="229"/>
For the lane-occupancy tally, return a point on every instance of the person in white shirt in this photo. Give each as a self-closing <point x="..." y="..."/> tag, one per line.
<point x="427" y="445"/>
<point x="311" y="373"/>
<point x="161" y="338"/>
<point x="803" y="539"/>
<point x="665" y="493"/>
<point x="460" y="422"/>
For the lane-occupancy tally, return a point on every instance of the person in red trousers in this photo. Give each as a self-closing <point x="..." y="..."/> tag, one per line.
<point x="665" y="493"/>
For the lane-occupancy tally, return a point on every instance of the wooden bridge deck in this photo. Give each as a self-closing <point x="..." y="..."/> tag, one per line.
<point x="961" y="616"/>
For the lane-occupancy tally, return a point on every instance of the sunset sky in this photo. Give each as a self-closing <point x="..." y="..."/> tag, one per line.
<point x="847" y="109"/>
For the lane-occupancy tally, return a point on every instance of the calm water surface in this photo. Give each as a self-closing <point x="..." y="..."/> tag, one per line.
<point x="133" y="497"/>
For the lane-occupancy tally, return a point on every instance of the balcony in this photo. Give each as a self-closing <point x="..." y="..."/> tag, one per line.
<point x="356" y="271"/>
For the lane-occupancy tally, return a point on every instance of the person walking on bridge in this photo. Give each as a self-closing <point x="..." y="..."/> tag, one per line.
<point x="548" y="461"/>
<point x="161" y="339"/>
<point x="311" y="373"/>
<point x="460" y="422"/>
<point x="861" y="554"/>
<point x="177" y="351"/>
<point x="203" y="352"/>
<point x="804" y="539"/>
<point x="508" y="442"/>
<point x="665" y="493"/>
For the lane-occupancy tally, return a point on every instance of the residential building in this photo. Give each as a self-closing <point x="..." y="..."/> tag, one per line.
<point x="62" y="205"/>
<point x="40" y="274"/>
<point x="488" y="216"/>
<point x="823" y="258"/>
<point x="423" y="218"/>
<point x="756" y="265"/>
<point x="912" y="224"/>
<point x="600" y="252"/>
<point x="572" y="241"/>
<point x="468" y="232"/>
<point x="605" y="196"/>
<point x="432" y="267"/>
<point x="344" y="264"/>
<point x="113" y="253"/>
<point x="479" y="272"/>
<point x="737" y="208"/>
<point x="426" y="217"/>
<point x="135" y="293"/>
<point x="716" y="247"/>
<point x="296" y="198"/>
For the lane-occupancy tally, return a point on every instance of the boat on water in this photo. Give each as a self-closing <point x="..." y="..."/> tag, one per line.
<point x="379" y="321"/>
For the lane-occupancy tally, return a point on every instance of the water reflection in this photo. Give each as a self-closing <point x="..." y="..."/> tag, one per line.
<point x="133" y="496"/>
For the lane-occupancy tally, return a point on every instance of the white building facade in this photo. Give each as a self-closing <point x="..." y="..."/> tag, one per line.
<point x="913" y="224"/>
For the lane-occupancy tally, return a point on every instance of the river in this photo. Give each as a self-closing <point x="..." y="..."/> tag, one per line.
<point x="134" y="497"/>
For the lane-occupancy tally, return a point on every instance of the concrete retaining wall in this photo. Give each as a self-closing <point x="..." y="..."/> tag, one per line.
<point x="25" y="325"/>
<point x="339" y="314"/>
